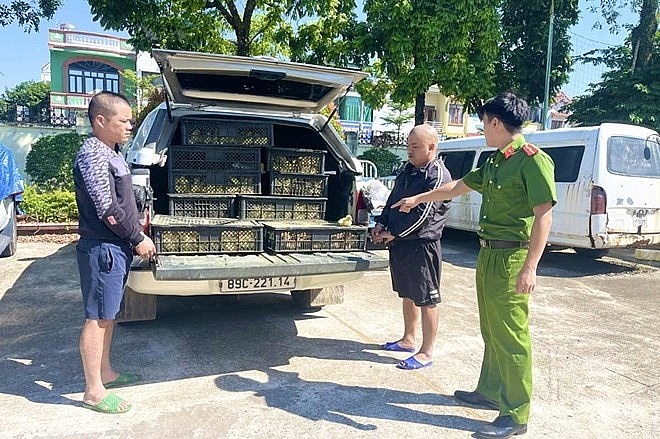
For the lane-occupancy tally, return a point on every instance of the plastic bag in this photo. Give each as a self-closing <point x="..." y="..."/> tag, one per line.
<point x="11" y="182"/>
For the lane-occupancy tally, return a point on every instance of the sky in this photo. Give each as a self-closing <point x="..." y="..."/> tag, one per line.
<point x="22" y="55"/>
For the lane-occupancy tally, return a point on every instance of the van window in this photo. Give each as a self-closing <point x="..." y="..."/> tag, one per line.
<point x="634" y="157"/>
<point x="567" y="161"/>
<point x="483" y="157"/>
<point x="458" y="163"/>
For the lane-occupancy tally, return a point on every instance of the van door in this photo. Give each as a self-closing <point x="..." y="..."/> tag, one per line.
<point x="630" y="176"/>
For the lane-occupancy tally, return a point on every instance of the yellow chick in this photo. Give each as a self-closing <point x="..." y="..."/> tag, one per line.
<point x="345" y="221"/>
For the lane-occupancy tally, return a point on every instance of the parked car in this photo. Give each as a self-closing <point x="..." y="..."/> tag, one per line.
<point x="239" y="150"/>
<point x="11" y="188"/>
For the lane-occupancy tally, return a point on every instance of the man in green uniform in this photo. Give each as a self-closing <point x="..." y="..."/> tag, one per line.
<point x="518" y="193"/>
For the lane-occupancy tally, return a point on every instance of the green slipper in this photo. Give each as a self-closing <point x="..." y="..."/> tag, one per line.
<point x="110" y="404"/>
<point x="124" y="379"/>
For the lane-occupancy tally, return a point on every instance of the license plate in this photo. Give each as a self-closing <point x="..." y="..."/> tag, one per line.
<point x="258" y="284"/>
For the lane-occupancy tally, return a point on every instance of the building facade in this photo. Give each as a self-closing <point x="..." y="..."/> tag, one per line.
<point x="81" y="65"/>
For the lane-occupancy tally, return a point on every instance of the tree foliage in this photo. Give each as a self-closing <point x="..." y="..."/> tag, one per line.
<point x="384" y="159"/>
<point x="50" y="161"/>
<point x="259" y="27"/>
<point x="623" y="95"/>
<point x="524" y="47"/>
<point x="630" y="91"/>
<point x="31" y="94"/>
<point x="424" y="42"/>
<point x="27" y="14"/>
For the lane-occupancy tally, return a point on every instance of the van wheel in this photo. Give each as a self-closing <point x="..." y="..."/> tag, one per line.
<point x="318" y="297"/>
<point x="593" y="253"/>
<point x="13" y="236"/>
<point x="136" y="307"/>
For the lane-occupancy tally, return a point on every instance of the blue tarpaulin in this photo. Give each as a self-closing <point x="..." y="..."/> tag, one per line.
<point x="11" y="182"/>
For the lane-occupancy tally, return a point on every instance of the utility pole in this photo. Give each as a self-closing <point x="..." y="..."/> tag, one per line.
<point x="548" y="66"/>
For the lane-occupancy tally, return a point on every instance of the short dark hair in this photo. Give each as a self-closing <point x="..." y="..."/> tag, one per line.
<point x="510" y="109"/>
<point x="103" y="103"/>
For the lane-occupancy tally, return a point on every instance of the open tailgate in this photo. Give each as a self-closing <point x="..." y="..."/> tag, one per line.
<point x="210" y="267"/>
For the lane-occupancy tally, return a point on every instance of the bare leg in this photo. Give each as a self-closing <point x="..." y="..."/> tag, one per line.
<point x="92" y="349"/>
<point x="411" y="316"/>
<point x="429" y="333"/>
<point x="107" y="372"/>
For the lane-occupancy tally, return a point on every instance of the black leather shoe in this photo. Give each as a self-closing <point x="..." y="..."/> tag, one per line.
<point x="476" y="399"/>
<point x="502" y="427"/>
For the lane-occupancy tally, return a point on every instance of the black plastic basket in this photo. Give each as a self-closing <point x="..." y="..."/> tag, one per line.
<point x="203" y="206"/>
<point x="181" y="235"/>
<point x="286" y="237"/>
<point x="295" y="161"/>
<point x="277" y="208"/>
<point x="298" y="185"/>
<point x="220" y="158"/>
<point x="215" y="182"/>
<point x="226" y="132"/>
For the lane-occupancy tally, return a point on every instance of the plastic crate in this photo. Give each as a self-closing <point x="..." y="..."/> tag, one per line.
<point x="203" y="206"/>
<point x="226" y="132"/>
<point x="256" y="207"/>
<point x="215" y="182"/>
<point x="285" y="237"/>
<point x="221" y="158"/>
<point x="181" y="235"/>
<point x="295" y="161"/>
<point x="299" y="185"/>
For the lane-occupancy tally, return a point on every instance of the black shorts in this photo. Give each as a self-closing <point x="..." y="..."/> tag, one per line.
<point x="415" y="267"/>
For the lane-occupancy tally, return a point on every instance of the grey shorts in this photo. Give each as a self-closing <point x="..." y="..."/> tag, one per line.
<point x="416" y="267"/>
<point x="103" y="268"/>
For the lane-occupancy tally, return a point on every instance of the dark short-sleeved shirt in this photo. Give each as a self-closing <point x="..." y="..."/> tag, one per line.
<point x="512" y="183"/>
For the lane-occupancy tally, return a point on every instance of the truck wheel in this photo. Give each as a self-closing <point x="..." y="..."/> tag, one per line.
<point x="136" y="307"/>
<point x="13" y="236"/>
<point x="318" y="297"/>
<point x="593" y="253"/>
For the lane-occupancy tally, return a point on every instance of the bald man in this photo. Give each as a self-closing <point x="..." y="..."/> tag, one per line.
<point x="413" y="240"/>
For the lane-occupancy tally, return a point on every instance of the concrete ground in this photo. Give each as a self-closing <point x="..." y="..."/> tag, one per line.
<point x="218" y="367"/>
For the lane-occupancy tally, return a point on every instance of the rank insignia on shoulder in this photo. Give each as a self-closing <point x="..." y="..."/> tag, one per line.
<point x="530" y="149"/>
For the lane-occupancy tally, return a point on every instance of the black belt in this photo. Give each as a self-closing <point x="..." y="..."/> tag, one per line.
<point x="490" y="243"/>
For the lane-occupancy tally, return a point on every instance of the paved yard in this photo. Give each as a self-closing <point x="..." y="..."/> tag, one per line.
<point x="218" y="367"/>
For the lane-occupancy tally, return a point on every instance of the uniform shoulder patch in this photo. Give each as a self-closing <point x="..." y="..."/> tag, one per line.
<point x="530" y="149"/>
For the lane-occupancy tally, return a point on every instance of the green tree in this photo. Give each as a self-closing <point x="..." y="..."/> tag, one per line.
<point x="32" y="94"/>
<point x="399" y="116"/>
<point x="524" y="47"/>
<point x="259" y="27"/>
<point x="50" y="161"/>
<point x="384" y="159"/>
<point x="425" y="42"/>
<point x="27" y="14"/>
<point x="630" y="91"/>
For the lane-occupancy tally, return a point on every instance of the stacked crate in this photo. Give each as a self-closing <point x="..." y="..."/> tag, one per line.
<point x="216" y="161"/>
<point x="298" y="185"/>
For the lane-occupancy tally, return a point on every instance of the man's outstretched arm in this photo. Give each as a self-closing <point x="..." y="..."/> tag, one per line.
<point x="445" y="192"/>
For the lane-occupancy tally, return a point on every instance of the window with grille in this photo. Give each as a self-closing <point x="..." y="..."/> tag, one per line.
<point x="90" y="77"/>
<point x="456" y="114"/>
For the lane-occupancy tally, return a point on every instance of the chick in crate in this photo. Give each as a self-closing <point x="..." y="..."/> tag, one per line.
<point x="345" y="221"/>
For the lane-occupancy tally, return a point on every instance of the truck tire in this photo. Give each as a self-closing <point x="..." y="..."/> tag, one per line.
<point x="318" y="297"/>
<point x="592" y="253"/>
<point x="12" y="228"/>
<point x="136" y="307"/>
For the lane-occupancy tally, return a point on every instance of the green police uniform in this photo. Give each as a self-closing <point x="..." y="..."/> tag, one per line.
<point x="512" y="183"/>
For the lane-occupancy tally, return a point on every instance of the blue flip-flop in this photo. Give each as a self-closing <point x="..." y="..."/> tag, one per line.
<point x="412" y="363"/>
<point x="394" y="346"/>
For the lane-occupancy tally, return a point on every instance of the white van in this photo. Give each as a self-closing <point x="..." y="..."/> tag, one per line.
<point x="608" y="185"/>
